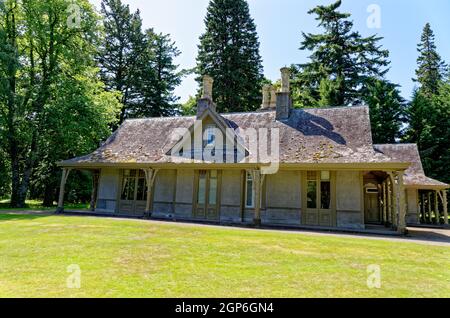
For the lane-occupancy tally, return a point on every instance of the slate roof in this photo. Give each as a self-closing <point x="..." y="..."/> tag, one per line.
<point x="322" y="136"/>
<point x="415" y="175"/>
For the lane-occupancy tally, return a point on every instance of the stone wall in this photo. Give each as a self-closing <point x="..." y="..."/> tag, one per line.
<point x="108" y="191"/>
<point x="348" y="200"/>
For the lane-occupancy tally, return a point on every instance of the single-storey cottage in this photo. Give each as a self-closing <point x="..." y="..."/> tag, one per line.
<point x="277" y="166"/>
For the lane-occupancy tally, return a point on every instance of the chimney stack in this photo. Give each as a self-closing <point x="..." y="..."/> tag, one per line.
<point x="207" y="96"/>
<point x="266" y="96"/>
<point x="284" y="101"/>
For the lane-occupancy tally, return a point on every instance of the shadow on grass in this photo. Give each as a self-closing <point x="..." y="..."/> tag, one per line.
<point x="22" y="216"/>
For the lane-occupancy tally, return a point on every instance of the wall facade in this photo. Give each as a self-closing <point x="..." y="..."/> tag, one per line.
<point x="108" y="191"/>
<point x="349" y="203"/>
<point x="412" y="209"/>
<point x="173" y="196"/>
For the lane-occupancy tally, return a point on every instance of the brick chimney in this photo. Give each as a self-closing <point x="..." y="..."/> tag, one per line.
<point x="207" y="96"/>
<point x="284" y="100"/>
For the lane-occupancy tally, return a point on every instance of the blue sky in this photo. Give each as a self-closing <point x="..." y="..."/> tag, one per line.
<point x="280" y="23"/>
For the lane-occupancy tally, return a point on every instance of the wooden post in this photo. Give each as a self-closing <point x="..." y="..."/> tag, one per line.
<point x="430" y="214"/>
<point x="445" y="202"/>
<point x="65" y="175"/>
<point x="436" y="208"/>
<point x="95" y="179"/>
<point x="394" y="202"/>
<point x="150" y="177"/>
<point x="258" y="179"/>
<point x="384" y="203"/>
<point x="401" y="225"/>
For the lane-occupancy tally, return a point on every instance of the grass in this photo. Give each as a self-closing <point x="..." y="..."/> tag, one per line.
<point x="35" y="205"/>
<point x="135" y="258"/>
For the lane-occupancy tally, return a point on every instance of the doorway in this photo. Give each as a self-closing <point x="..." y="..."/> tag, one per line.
<point x="133" y="197"/>
<point x="372" y="211"/>
<point x="319" y="205"/>
<point x="207" y="195"/>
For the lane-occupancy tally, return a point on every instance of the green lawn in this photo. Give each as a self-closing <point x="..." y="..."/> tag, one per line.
<point x="34" y="205"/>
<point x="133" y="258"/>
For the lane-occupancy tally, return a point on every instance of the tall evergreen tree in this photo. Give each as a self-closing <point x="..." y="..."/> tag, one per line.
<point x="158" y="78"/>
<point x="431" y="68"/>
<point x="387" y="110"/>
<point x="120" y="56"/>
<point x="341" y="61"/>
<point x="229" y="52"/>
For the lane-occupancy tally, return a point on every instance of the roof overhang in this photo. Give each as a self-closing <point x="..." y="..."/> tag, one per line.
<point x="388" y="166"/>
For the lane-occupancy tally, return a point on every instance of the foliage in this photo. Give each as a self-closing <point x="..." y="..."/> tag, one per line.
<point x="341" y="61"/>
<point x="46" y="52"/>
<point x="190" y="107"/>
<point x="387" y="110"/>
<point x="229" y="52"/>
<point x="431" y="69"/>
<point x="159" y="78"/>
<point x="138" y="64"/>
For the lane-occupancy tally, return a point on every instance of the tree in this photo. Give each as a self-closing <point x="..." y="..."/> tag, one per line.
<point x="41" y="43"/>
<point x="190" y="107"/>
<point x="341" y="61"/>
<point x="159" y="78"/>
<point x="121" y="53"/>
<point x="431" y="68"/>
<point x="229" y="52"/>
<point x="387" y="110"/>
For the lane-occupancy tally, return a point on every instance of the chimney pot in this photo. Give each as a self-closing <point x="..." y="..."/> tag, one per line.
<point x="266" y="96"/>
<point x="285" y="79"/>
<point x="273" y="97"/>
<point x="208" y="82"/>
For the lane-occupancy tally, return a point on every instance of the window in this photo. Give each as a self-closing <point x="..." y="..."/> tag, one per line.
<point x="134" y="183"/>
<point x="201" y="199"/>
<point x="249" y="191"/>
<point x="212" y="188"/>
<point x="210" y="136"/>
<point x="319" y="190"/>
<point x="325" y="190"/>
<point x="312" y="190"/>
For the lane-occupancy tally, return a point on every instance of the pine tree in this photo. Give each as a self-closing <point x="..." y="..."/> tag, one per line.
<point x="431" y="68"/>
<point x="158" y="78"/>
<point x="387" y="110"/>
<point x="121" y="52"/>
<point x="229" y="52"/>
<point x="341" y="60"/>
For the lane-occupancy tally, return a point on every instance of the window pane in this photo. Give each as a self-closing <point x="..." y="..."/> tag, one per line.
<point x="202" y="188"/>
<point x="249" y="191"/>
<point x="142" y="190"/>
<point x="325" y="195"/>
<point x="133" y="173"/>
<point x="128" y="189"/>
<point x="312" y="175"/>
<point x="312" y="195"/>
<point x="213" y="188"/>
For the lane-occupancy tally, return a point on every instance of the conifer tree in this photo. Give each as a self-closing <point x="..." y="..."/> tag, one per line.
<point x="341" y="61"/>
<point x="431" y="68"/>
<point x="229" y="52"/>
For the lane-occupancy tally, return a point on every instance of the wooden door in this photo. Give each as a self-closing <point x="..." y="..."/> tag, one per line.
<point x="133" y="196"/>
<point x="318" y="198"/>
<point x="207" y="195"/>
<point x="372" y="206"/>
